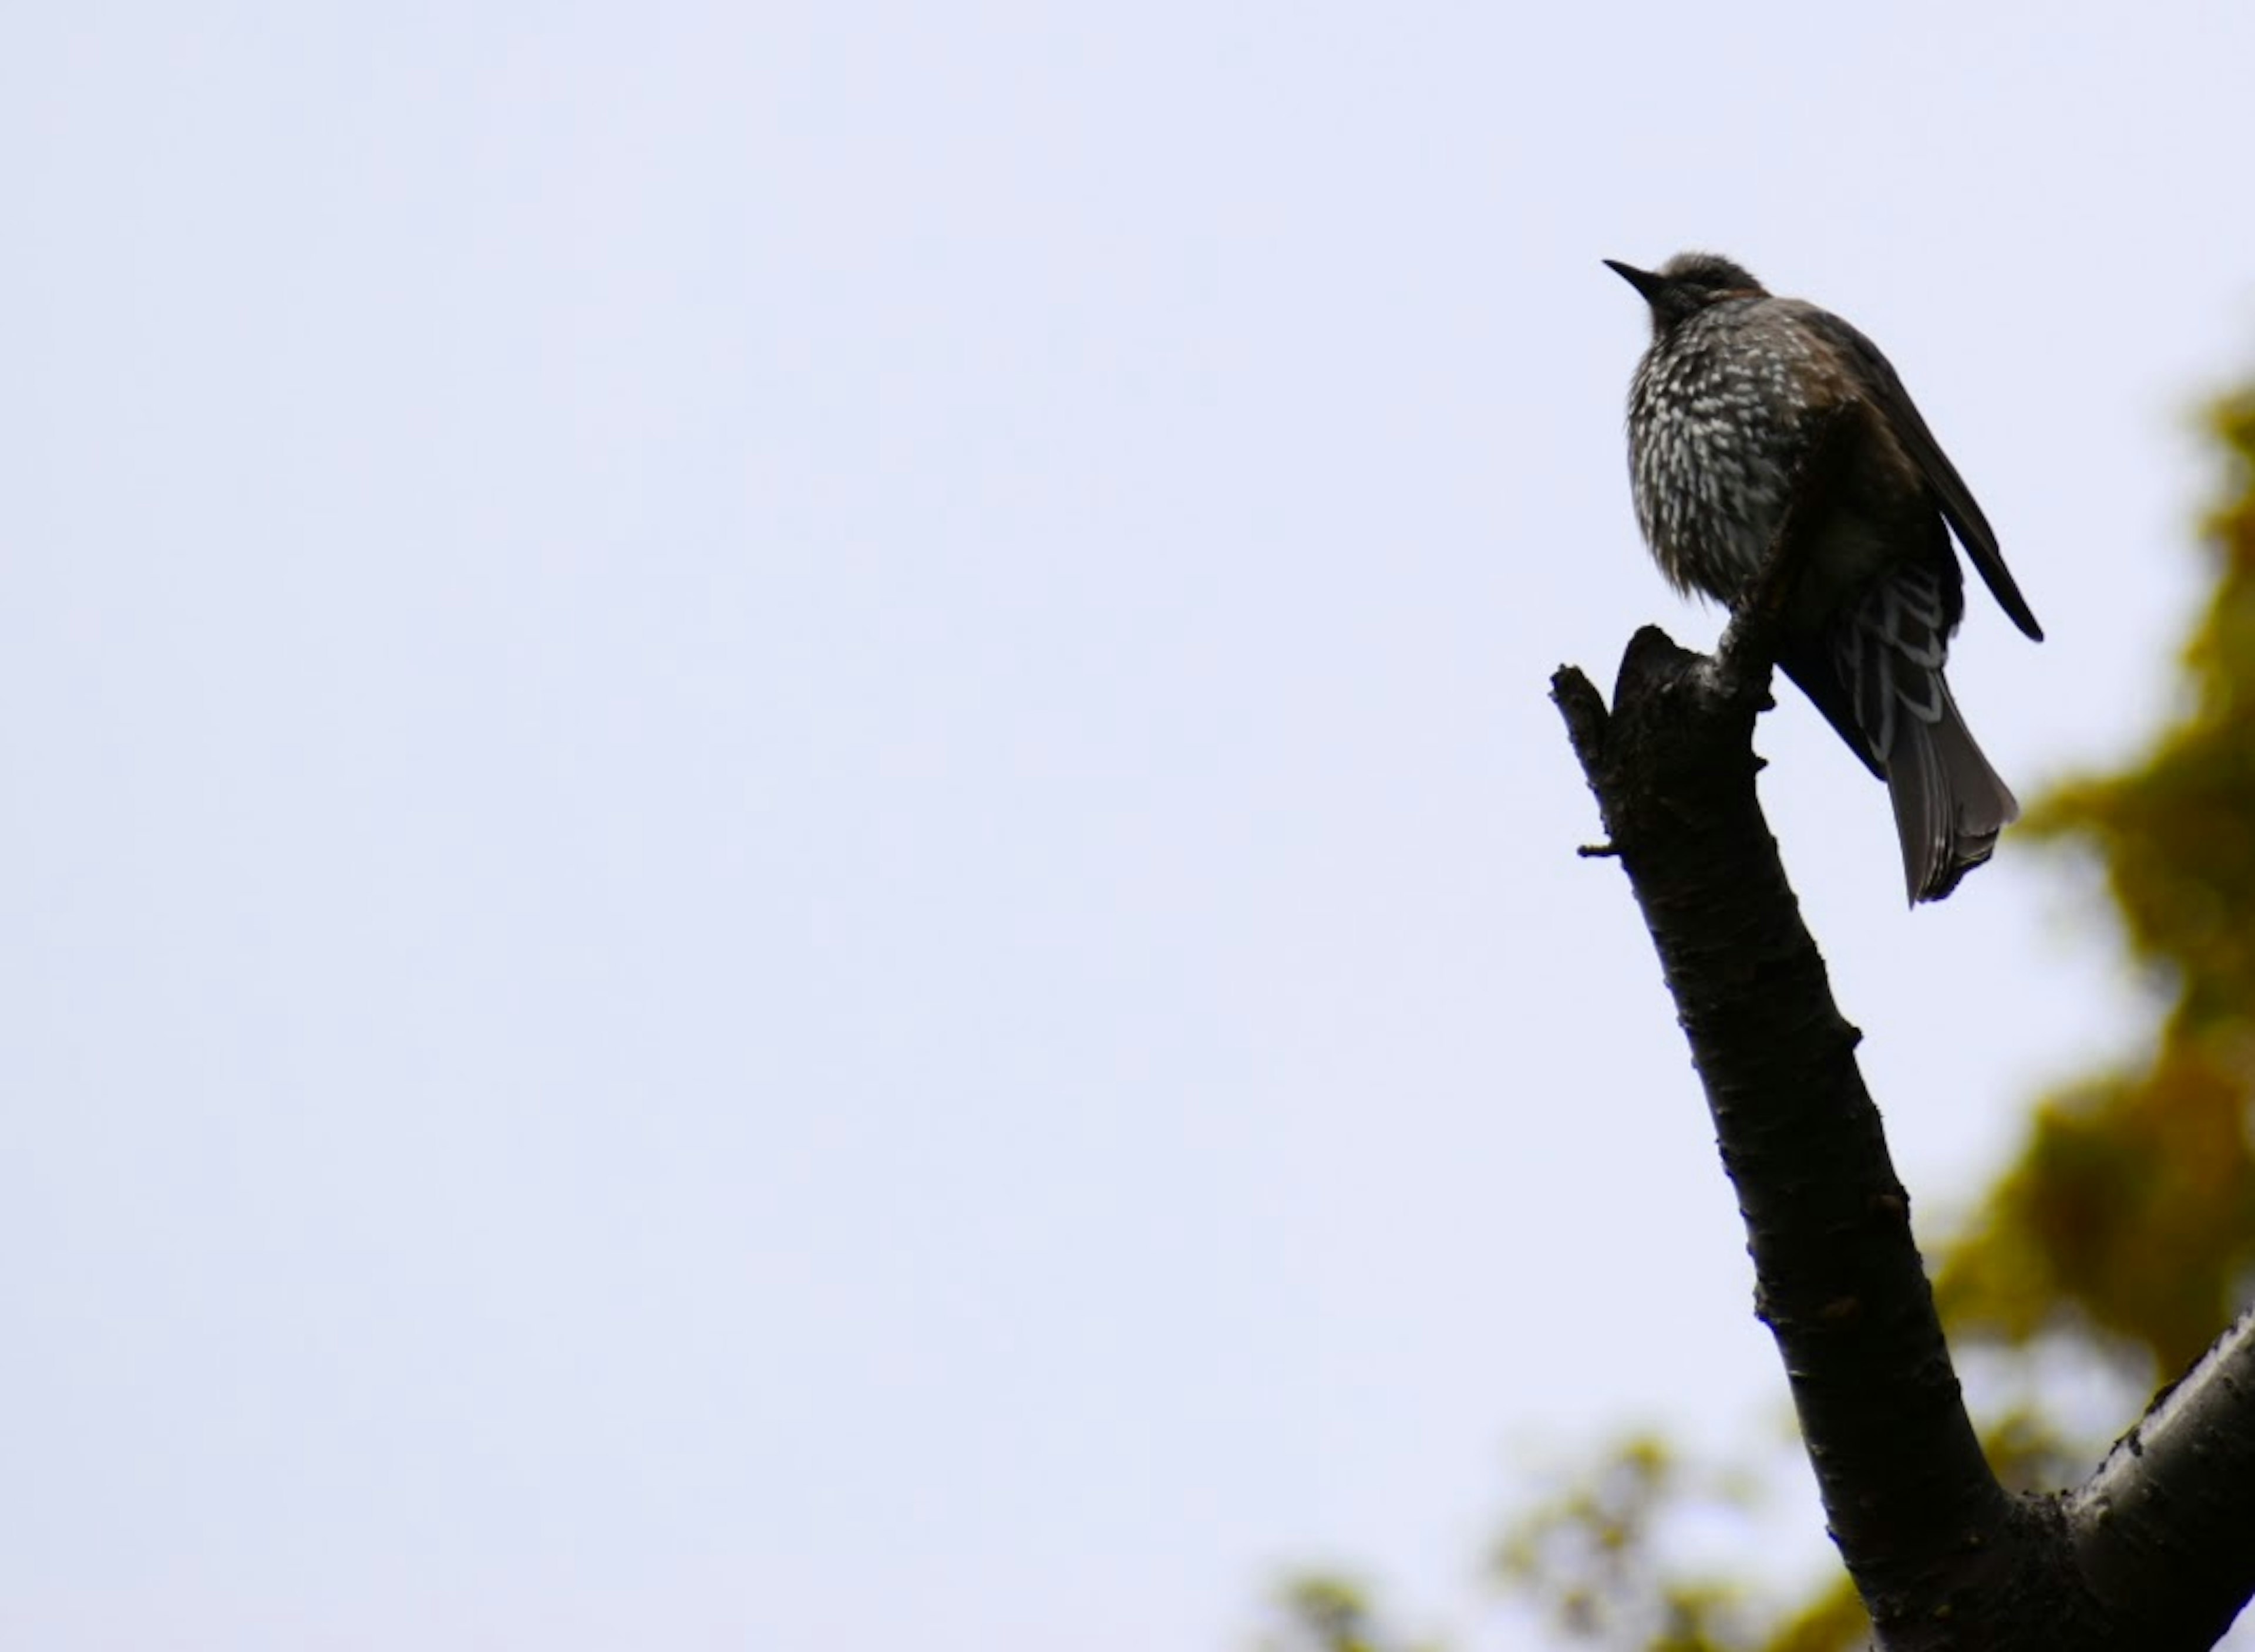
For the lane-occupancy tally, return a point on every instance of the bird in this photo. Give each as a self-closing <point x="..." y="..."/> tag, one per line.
<point x="1723" y="414"/>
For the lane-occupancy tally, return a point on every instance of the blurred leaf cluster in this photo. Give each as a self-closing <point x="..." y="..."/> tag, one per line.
<point x="2131" y="1213"/>
<point x="1319" y="1611"/>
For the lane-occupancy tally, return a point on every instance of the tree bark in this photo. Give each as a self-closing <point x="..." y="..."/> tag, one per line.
<point x="2165" y="1531"/>
<point x="2157" y="1551"/>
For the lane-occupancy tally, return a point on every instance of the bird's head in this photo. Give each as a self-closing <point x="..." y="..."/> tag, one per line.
<point x="1686" y="284"/>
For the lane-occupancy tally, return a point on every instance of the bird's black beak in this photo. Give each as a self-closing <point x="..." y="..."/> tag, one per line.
<point x="1643" y="280"/>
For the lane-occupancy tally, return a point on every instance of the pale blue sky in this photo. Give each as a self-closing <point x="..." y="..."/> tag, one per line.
<point x="780" y="863"/>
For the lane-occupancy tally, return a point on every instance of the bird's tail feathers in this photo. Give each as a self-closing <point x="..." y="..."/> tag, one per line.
<point x="1949" y="804"/>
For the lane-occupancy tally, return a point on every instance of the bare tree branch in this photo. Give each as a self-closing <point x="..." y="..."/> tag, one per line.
<point x="2158" y="1552"/>
<point x="2164" y="1531"/>
<point x="1839" y="1280"/>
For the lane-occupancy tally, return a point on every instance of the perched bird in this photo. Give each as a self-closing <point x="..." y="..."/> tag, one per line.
<point x="1721" y="416"/>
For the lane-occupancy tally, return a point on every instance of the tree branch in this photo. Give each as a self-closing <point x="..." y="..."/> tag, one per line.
<point x="2158" y="1552"/>
<point x="2164" y="1531"/>
<point x="1919" y="1520"/>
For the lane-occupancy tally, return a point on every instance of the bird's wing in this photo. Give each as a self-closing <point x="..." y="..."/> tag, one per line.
<point x="1902" y="416"/>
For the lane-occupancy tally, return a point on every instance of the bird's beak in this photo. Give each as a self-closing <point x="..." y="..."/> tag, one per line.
<point x="1643" y="280"/>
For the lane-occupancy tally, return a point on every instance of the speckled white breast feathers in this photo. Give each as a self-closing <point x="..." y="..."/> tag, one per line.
<point x="1718" y="420"/>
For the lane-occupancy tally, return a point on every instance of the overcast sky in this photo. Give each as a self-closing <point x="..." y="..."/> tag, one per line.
<point x="781" y="861"/>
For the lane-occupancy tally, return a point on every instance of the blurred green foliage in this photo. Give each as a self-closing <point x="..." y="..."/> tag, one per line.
<point x="1318" y="1612"/>
<point x="2131" y="1210"/>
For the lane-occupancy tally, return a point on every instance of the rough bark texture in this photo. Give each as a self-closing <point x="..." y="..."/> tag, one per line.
<point x="2157" y="1551"/>
<point x="2165" y="1531"/>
